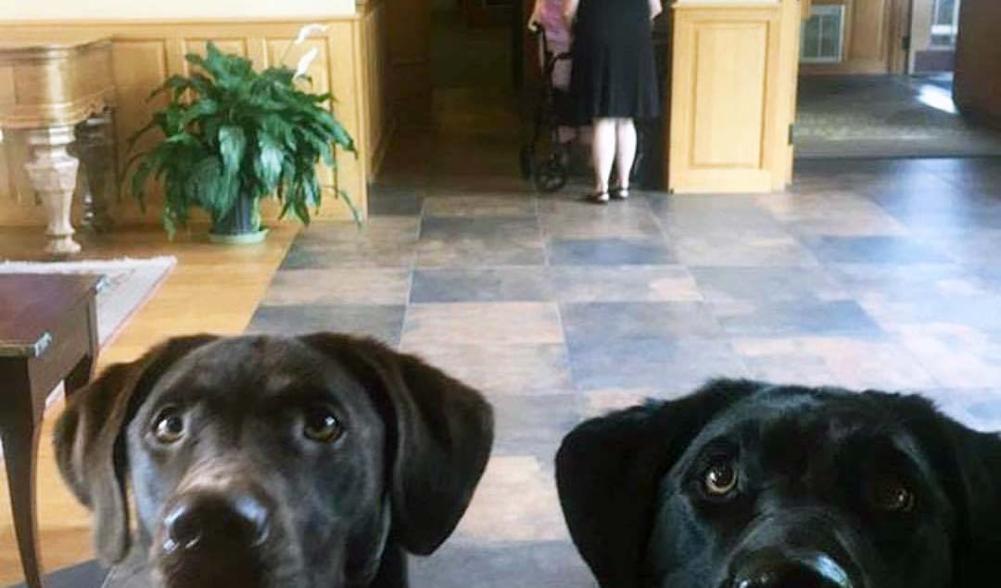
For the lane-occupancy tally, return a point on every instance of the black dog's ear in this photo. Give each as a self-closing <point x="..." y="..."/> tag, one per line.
<point x="88" y="440"/>
<point x="968" y="464"/>
<point x="608" y="470"/>
<point x="443" y="436"/>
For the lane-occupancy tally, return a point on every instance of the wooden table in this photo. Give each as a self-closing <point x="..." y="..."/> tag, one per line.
<point x="48" y="85"/>
<point x="48" y="334"/>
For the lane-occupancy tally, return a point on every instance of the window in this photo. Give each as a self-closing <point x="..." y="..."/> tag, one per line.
<point x="945" y="23"/>
<point x="823" y="34"/>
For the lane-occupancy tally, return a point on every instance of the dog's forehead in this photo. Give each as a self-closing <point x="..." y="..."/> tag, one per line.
<point x="794" y="413"/>
<point x="264" y="365"/>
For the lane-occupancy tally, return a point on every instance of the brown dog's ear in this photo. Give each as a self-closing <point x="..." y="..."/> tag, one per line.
<point x="608" y="470"/>
<point x="443" y="436"/>
<point x="88" y="445"/>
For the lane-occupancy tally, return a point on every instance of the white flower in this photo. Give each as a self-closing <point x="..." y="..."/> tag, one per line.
<point x="307" y="31"/>
<point x="305" y="61"/>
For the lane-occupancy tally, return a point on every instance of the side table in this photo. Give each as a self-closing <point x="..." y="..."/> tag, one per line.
<point x="48" y="334"/>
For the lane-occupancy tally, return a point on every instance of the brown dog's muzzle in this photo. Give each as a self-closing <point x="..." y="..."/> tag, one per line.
<point x="208" y="520"/>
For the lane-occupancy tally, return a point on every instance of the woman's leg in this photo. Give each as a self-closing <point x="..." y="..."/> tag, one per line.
<point x="625" y="131"/>
<point x="603" y="150"/>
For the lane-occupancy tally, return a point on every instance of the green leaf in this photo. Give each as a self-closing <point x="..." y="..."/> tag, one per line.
<point x="232" y="143"/>
<point x="268" y="163"/>
<point x="200" y="109"/>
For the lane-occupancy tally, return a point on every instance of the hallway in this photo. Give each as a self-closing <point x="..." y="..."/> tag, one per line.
<point x="866" y="274"/>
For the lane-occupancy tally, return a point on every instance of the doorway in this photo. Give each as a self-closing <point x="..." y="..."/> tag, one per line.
<point x="877" y="81"/>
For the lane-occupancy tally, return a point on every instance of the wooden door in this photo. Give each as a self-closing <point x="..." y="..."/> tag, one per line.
<point x="733" y="97"/>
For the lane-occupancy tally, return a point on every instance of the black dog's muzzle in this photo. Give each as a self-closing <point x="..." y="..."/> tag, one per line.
<point x="775" y="569"/>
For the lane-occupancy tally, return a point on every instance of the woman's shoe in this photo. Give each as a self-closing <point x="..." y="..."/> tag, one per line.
<point x="597" y="198"/>
<point x="620" y="193"/>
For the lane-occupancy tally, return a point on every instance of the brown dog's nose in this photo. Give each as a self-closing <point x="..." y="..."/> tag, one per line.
<point x="202" y="520"/>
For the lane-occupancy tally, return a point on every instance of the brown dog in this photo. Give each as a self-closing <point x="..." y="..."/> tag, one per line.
<point x="266" y="461"/>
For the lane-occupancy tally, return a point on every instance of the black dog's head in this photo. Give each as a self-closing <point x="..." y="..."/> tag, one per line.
<point x="263" y="461"/>
<point x="746" y="485"/>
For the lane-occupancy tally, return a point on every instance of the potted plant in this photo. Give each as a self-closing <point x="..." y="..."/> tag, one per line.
<point x="232" y="136"/>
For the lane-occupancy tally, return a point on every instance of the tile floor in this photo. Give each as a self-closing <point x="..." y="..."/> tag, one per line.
<point x="865" y="274"/>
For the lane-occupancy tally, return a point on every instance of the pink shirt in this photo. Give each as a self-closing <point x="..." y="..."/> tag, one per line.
<point x="550" y="16"/>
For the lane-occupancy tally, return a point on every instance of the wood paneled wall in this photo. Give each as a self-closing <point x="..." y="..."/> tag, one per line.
<point x="351" y="64"/>
<point x="729" y="100"/>
<point x="978" y="60"/>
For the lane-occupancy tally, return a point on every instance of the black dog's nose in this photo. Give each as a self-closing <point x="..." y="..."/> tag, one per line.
<point x="197" y="520"/>
<point x="790" y="574"/>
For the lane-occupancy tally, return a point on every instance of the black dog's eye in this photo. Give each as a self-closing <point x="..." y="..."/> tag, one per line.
<point x="169" y="426"/>
<point x="720" y="478"/>
<point x="891" y="495"/>
<point x="321" y="425"/>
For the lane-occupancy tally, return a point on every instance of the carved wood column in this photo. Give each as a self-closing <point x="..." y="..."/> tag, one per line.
<point x="62" y="79"/>
<point x="53" y="175"/>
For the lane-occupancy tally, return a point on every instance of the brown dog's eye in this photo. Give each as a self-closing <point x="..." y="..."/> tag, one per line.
<point x="168" y="426"/>
<point x="891" y="495"/>
<point x="720" y="478"/>
<point x="321" y="425"/>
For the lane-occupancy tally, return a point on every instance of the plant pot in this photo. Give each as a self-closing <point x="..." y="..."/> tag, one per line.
<point x="241" y="226"/>
<point x="242" y="239"/>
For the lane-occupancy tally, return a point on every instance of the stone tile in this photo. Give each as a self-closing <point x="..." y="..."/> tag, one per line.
<point x="490" y="241"/>
<point x="894" y="314"/>
<point x="563" y="219"/>
<point x="480" y="206"/>
<point x="349" y="254"/>
<point x="379" y="242"/>
<point x="499" y="284"/>
<point x="888" y="250"/>
<point x="593" y="322"/>
<point x="734" y="249"/>
<point x="516" y="500"/>
<point x="533" y="425"/>
<point x="839" y="214"/>
<point x="974" y="247"/>
<point x="797" y="317"/>
<point x="483" y="323"/>
<point x="957" y="356"/>
<point x="535" y="564"/>
<point x="609" y="251"/>
<point x="691" y="215"/>
<point x="841" y="361"/>
<point x="626" y="283"/>
<point x="910" y="281"/>
<point x="381" y="322"/>
<point x="729" y="287"/>
<point x="670" y="365"/>
<point x="500" y="369"/>
<point x="383" y="229"/>
<point x="339" y="286"/>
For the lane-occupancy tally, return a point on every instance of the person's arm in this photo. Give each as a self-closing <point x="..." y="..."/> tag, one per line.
<point x="655" y="9"/>
<point x="536" y="17"/>
<point x="570" y="10"/>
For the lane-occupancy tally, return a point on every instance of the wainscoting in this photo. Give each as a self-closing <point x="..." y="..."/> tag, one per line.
<point x="351" y="63"/>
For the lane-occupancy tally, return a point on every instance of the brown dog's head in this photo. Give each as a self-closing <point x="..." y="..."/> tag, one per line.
<point x="266" y="461"/>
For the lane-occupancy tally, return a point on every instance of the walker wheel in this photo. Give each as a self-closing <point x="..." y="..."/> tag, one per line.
<point x="551" y="175"/>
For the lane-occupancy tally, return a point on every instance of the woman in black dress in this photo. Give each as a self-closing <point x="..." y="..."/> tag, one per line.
<point x="614" y="81"/>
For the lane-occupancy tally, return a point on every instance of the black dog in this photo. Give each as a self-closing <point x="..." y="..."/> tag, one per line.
<point x="746" y="485"/>
<point x="264" y="462"/>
